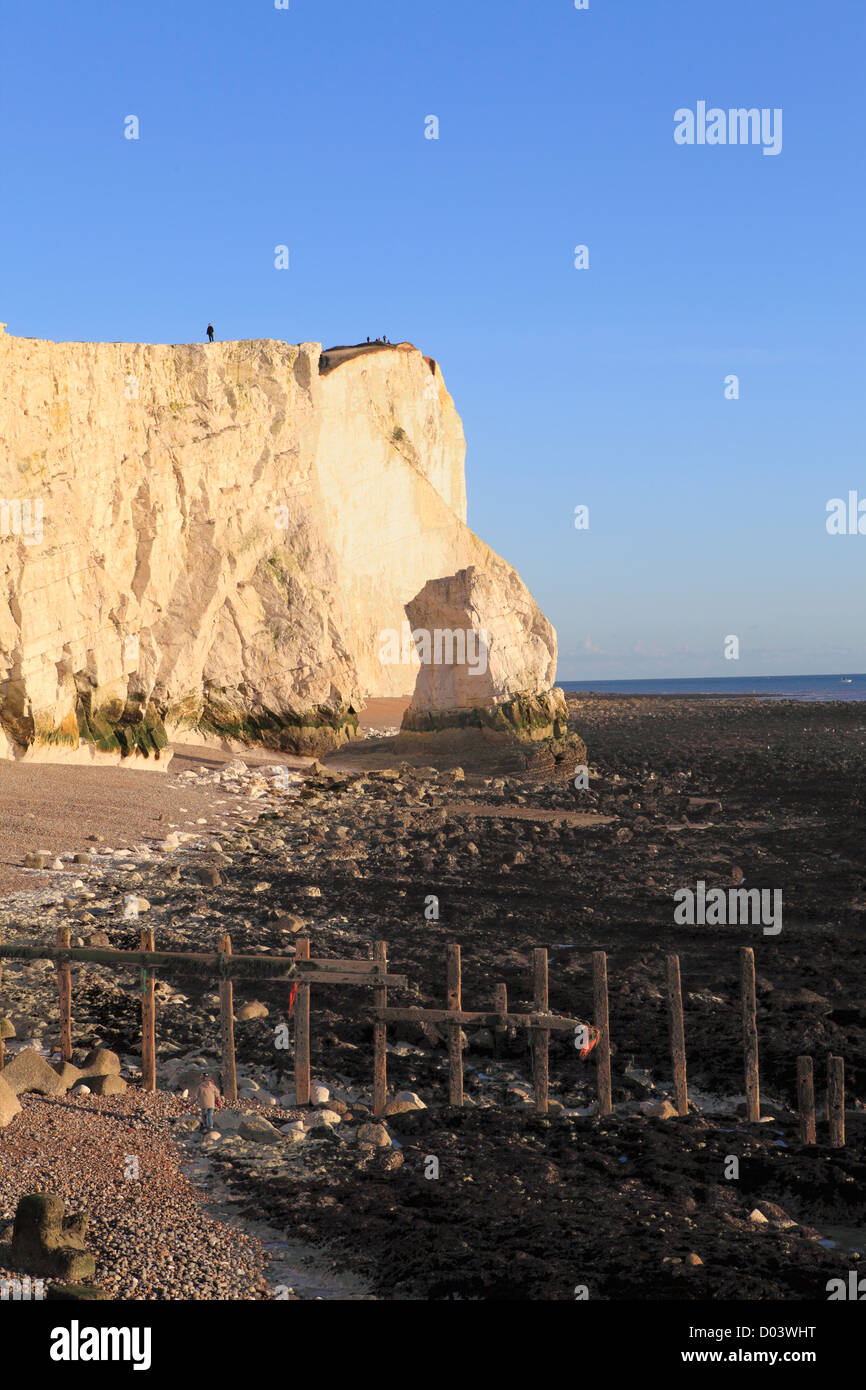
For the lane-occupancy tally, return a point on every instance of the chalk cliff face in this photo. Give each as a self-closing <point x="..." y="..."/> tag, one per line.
<point x="215" y="537"/>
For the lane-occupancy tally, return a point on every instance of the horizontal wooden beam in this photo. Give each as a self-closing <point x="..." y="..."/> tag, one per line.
<point x="317" y="971"/>
<point x="485" y="1020"/>
<point x="179" y="960"/>
<point x="336" y="977"/>
<point x="360" y="967"/>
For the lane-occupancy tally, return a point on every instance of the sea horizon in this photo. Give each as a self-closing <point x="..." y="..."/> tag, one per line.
<point x="811" y="688"/>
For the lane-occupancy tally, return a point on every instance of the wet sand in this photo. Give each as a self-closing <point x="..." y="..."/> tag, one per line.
<point x="66" y="808"/>
<point x="62" y="807"/>
<point x="385" y="713"/>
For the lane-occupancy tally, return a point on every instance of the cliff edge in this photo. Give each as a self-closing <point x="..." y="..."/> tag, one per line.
<point x="214" y="538"/>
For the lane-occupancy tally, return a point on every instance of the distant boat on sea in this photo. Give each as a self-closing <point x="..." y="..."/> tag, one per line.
<point x="846" y="680"/>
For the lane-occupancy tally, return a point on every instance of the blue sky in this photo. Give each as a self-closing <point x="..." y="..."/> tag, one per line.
<point x="604" y="386"/>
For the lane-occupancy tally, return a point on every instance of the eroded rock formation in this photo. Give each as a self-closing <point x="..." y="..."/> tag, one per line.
<point x="487" y="661"/>
<point x="481" y="640"/>
<point x="211" y="539"/>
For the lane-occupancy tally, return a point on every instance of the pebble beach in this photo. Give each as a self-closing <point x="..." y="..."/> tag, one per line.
<point x="350" y="852"/>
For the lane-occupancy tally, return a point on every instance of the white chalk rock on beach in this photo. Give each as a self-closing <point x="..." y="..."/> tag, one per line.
<point x="254" y="1008"/>
<point x="403" y="1102"/>
<point x="258" y="1130"/>
<point x="133" y="905"/>
<point x="318" y="1117"/>
<point x="481" y="639"/>
<point x="487" y="659"/>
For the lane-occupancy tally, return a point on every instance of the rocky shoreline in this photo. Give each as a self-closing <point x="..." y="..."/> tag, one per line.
<point x="769" y="794"/>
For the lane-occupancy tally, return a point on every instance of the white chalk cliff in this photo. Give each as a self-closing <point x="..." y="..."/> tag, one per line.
<point x="214" y="537"/>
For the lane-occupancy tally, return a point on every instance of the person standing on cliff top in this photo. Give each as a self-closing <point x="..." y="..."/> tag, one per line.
<point x="207" y="1097"/>
<point x="210" y="332"/>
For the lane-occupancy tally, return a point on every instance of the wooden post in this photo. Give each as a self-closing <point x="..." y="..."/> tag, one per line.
<point x="836" y="1101"/>
<point x="806" y="1099"/>
<point x="148" y="1017"/>
<point x="540" y="1036"/>
<point x="227" y="1028"/>
<point x="678" y="1037"/>
<point x="302" y="1030"/>
<point x="380" y="1056"/>
<point x="64" y="990"/>
<point x="500" y="1004"/>
<point x="602" y="1022"/>
<point x="455" y="1052"/>
<point x="750" y="1034"/>
<point x="2" y="1040"/>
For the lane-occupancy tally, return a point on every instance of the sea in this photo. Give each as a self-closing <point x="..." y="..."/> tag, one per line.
<point x="814" y="688"/>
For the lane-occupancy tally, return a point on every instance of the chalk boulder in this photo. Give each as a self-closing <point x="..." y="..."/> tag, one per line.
<point x="487" y="661"/>
<point x="254" y="1009"/>
<point x="258" y="1131"/>
<point x="481" y="640"/>
<point x="403" y="1102"/>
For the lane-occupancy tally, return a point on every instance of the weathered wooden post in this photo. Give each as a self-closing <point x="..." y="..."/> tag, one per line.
<point x="500" y="1004"/>
<point x="380" y="1031"/>
<point x="836" y="1101"/>
<point x="602" y="1022"/>
<point x="678" y="1036"/>
<point x="806" y="1099"/>
<point x="750" y="1034"/>
<point x="454" y="1001"/>
<point x="540" y="1036"/>
<point x="302" y="1030"/>
<point x="64" y="991"/>
<point x="227" y="1026"/>
<point x="148" y="1016"/>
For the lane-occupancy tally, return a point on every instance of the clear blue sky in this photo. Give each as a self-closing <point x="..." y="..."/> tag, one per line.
<point x="602" y="387"/>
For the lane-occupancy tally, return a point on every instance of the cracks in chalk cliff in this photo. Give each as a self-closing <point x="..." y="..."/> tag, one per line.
<point x="187" y="520"/>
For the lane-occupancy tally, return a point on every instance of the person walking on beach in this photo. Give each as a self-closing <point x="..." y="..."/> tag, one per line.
<point x="210" y="332"/>
<point x="207" y="1097"/>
